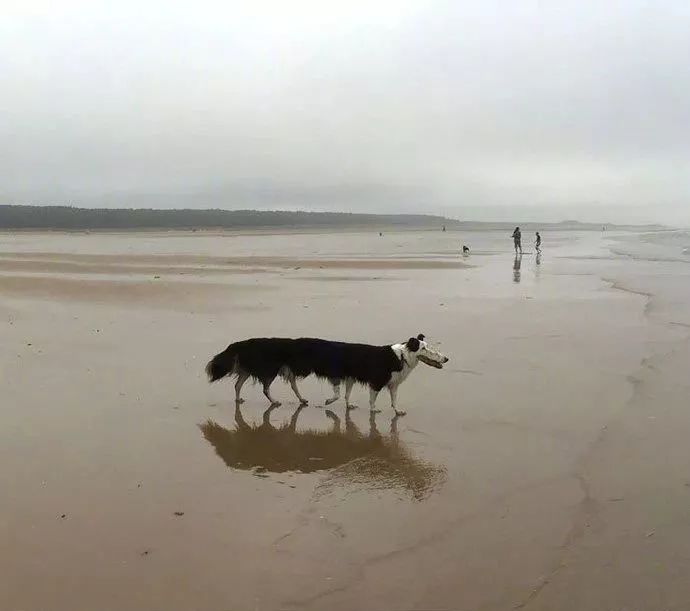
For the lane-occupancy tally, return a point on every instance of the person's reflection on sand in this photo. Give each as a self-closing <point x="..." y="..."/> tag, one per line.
<point x="366" y="460"/>
<point x="516" y="268"/>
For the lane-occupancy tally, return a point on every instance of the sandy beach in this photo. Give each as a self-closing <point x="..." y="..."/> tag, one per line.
<point x="546" y="467"/>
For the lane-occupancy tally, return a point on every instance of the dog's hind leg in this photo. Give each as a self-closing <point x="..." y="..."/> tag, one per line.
<point x="241" y="379"/>
<point x="372" y="400"/>
<point x="349" y="383"/>
<point x="336" y="392"/>
<point x="267" y="392"/>
<point x="293" y="385"/>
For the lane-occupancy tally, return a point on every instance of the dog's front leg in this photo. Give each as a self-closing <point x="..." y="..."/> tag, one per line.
<point x="349" y="383"/>
<point x="393" y="390"/>
<point x="372" y="400"/>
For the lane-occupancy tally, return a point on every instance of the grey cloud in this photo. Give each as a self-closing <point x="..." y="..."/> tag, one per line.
<point x="416" y="106"/>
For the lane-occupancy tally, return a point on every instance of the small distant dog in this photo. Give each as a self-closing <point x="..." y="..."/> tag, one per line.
<point x="465" y="250"/>
<point x="265" y="358"/>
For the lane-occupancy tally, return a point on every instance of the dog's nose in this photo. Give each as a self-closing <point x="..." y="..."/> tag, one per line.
<point x="445" y="359"/>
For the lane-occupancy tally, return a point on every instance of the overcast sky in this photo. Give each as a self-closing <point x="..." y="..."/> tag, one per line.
<point x="356" y="104"/>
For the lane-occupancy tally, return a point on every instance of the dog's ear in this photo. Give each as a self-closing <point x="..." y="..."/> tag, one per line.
<point x="420" y="337"/>
<point x="412" y="344"/>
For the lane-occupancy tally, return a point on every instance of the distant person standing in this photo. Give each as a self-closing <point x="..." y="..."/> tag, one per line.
<point x="517" y="240"/>
<point x="538" y="243"/>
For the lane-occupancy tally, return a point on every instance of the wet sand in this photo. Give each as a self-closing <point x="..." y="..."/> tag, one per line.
<point x="545" y="467"/>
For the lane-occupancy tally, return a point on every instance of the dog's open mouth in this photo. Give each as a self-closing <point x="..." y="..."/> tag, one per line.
<point x="429" y="362"/>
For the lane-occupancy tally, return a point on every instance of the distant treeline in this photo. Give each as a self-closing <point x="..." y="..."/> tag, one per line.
<point x="69" y="218"/>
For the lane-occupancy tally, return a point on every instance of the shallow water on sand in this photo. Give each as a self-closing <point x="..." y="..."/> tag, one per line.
<point x="544" y="467"/>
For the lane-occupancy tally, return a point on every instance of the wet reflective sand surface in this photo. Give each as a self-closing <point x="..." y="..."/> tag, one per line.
<point x="545" y="467"/>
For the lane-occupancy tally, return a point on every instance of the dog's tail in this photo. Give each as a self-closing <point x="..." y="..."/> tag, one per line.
<point x="223" y="364"/>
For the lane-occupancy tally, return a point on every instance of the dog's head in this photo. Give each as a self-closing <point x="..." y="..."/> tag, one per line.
<point x="418" y="349"/>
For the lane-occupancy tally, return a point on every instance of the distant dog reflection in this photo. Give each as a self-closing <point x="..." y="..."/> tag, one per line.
<point x="351" y="457"/>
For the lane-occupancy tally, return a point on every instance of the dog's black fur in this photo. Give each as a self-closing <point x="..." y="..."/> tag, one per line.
<point x="264" y="358"/>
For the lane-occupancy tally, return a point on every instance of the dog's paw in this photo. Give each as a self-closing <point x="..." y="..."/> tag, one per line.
<point x="276" y="404"/>
<point x="373" y="410"/>
<point x="239" y="401"/>
<point x="351" y="406"/>
<point x="399" y="412"/>
<point x="304" y="402"/>
<point x="331" y="400"/>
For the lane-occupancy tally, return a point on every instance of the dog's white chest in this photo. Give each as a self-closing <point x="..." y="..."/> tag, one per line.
<point x="398" y="377"/>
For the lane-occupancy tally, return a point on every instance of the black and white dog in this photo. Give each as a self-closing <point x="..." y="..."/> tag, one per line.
<point x="265" y="358"/>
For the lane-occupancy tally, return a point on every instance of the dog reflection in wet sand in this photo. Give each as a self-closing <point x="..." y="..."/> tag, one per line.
<point x="372" y="460"/>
